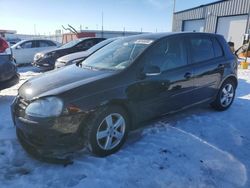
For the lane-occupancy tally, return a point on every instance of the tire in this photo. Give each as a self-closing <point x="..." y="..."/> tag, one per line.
<point x="225" y="96"/>
<point x="107" y="131"/>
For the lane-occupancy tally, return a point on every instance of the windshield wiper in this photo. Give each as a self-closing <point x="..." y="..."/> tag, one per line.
<point x="80" y="64"/>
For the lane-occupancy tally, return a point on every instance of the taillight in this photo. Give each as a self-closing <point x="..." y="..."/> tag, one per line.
<point x="3" y="45"/>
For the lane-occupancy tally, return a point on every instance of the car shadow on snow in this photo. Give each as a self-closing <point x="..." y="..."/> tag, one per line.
<point x="214" y="145"/>
<point x="220" y="140"/>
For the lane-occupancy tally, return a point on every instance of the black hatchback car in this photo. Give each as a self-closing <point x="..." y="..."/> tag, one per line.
<point x="97" y="102"/>
<point x="46" y="59"/>
<point x="8" y="70"/>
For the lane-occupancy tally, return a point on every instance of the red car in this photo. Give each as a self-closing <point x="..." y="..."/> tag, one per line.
<point x="8" y="70"/>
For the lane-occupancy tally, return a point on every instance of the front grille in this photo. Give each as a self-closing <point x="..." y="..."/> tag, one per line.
<point x="20" y="106"/>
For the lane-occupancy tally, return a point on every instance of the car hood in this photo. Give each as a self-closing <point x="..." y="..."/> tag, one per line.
<point x="71" y="57"/>
<point x="59" y="81"/>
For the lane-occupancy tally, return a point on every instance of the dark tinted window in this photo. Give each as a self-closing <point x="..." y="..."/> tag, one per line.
<point x="201" y="49"/>
<point x="217" y="49"/>
<point x="43" y="44"/>
<point x="86" y="44"/>
<point x="97" y="40"/>
<point x="167" y="54"/>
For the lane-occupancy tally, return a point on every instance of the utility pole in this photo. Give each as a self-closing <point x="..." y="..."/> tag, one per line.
<point x="102" y="23"/>
<point x="35" y="29"/>
<point x="173" y="14"/>
<point x="174" y="6"/>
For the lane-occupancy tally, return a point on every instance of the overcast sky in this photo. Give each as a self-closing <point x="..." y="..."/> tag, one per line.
<point x="45" y="16"/>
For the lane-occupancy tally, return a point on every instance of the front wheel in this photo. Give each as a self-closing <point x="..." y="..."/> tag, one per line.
<point x="107" y="131"/>
<point x="225" y="96"/>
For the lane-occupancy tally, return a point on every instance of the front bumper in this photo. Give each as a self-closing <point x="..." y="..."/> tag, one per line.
<point x="51" y="138"/>
<point x="8" y="83"/>
<point x="44" y="63"/>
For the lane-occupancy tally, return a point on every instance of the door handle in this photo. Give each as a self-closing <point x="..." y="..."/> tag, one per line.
<point x="187" y="75"/>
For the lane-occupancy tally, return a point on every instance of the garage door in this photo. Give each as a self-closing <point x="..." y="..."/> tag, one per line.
<point x="194" y="25"/>
<point x="232" y="28"/>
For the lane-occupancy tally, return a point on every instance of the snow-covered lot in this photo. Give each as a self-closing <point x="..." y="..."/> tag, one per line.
<point x="195" y="148"/>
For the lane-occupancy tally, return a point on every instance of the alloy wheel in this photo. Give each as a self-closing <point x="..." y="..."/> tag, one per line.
<point x="227" y="95"/>
<point x="111" y="131"/>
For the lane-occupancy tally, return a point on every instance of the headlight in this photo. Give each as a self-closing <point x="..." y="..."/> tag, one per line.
<point x="47" y="55"/>
<point x="47" y="107"/>
<point x="38" y="56"/>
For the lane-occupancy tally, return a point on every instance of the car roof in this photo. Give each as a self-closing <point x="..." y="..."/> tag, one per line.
<point x="156" y="36"/>
<point x="85" y="38"/>
<point x="26" y="40"/>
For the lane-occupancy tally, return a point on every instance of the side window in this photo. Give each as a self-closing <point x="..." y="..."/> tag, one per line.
<point x="43" y="44"/>
<point x="166" y="54"/>
<point x="98" y="40"/>
<point x="51" y="43"/>
<point x="27" y="44"/>
<point x="217" y="48"/>
<point x="86" y="44"/>
<point x="201" y="49"/>
<point x="176" y="55"/>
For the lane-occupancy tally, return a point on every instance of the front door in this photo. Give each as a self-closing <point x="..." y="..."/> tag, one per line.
<point x="171" y="87"/>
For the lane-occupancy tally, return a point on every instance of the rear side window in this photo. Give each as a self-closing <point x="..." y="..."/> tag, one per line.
<point x="85" y="45"/>
<point x="201" y="49"/>
<point x="44" y="43"/>
<point x="218" y="52"/>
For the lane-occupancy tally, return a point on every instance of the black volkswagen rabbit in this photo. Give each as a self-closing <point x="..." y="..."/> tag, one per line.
<point x="98" y="101"/>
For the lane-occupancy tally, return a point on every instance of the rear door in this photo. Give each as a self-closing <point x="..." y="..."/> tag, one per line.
<point x="44" y="45"/>
<point x="171" y="89"/>
<point x="208" y="61"/>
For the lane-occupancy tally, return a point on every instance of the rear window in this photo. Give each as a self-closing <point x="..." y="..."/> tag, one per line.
<point x="201" y="49"/>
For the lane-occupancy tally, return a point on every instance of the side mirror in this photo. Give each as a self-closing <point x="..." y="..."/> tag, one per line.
<point x="152" y="71"/>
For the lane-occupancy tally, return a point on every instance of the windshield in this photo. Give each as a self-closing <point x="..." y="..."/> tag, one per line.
<point x="117" y="55"/>
<point x="100" y="45"/>
<point x="70" y="44"/>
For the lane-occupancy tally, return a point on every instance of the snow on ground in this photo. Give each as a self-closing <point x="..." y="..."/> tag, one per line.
<point x="195" y="148"/>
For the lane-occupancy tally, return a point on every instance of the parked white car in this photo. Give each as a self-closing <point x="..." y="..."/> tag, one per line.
<point x="24" y="51"/>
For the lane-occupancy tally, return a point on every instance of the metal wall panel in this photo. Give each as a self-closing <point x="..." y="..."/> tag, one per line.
<point x="211" y="12"/>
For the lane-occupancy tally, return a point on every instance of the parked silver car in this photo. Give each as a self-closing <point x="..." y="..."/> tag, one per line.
<point x="25" y="50"/>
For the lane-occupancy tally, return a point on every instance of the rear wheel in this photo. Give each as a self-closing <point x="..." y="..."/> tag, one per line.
<point x="107" y="131"/>
<point x="225" y="96"/>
